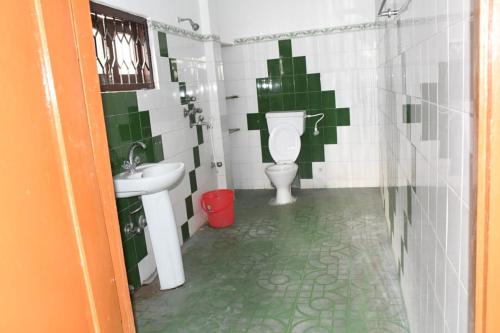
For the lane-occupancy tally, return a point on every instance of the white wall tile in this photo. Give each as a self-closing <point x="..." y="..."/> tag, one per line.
<point x="429" y="62"/>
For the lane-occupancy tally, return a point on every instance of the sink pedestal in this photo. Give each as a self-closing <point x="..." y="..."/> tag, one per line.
<point x="164" y="239"/>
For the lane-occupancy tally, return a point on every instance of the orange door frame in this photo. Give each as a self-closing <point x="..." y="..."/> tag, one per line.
<point x="62" y="262"/>
<point x="486" y="54"/>
<point x="86" y="53"/>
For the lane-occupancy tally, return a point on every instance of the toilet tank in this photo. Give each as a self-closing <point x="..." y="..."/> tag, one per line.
<point x="293" y="118"/>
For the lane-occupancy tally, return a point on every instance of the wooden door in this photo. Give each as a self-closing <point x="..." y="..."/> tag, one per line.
<point x="486" y="50"/>
<point x="61" y="267"/>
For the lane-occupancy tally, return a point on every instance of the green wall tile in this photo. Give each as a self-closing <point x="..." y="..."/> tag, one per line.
<point x="266" y="155"/>
<point x="264" y="137"/>
<point x="330" y="118"/>
<point x="129" y="253"/>
<point x="133" y="277"/>
<point x="157" y="149"/>
<point x="116" y="159"/>
<point x="112" y="132"/>
<point x="123" y="220"/>
<point x="275" y="85"/>
<point x="300" y="83"/>
<point x="185" y="231"/>
<point x="263" y="104"/>
<point x="328" y="99"/>
<point x="287" y="85"/>
<point x="199" y="134"/>
<point x="286" y="66"/>
<point x="276" y="102"/>
<point x="135" y="126"/>
<point x="122" y="204"/>
<point x="288" y="101"/>
<point x="141" y="249"/>
<point x="299" y="66"/>
<point x="189" y="207"/>
<point x="285" y="48"/>
<point x="196" y="156"/>
<point x="162" y="40"/>
<point x="116" y="103"/>
<point x="330" y="135"/>
<point x="174" y="75"/>
<point x="301" y="101"/>
<point x="273" y="67"/>
<point x="343" y="118"/>
<point x="305" y="170"/>
<point x="123" y="127"/>
<point x="145" y="124"/>
<point x="305" y="154"/>
<point x="316" y="139"/>
<point x="317" y="153"/>
<point x="263" y="86"/>
<point x="192" y="181"/>
<point x="254" y="121"/>
<point x="313" y="82"/>
<point x="315" y="100"/>
<point x="125" y="124"/>
<point x="305" y="139"/>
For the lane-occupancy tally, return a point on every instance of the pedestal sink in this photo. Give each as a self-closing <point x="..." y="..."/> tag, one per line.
<point x="151" y="182"/>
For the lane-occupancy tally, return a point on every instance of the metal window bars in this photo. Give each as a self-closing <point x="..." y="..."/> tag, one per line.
<point x="122" y="49"/>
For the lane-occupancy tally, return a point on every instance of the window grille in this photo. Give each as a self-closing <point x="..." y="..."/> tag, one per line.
<point x="122" y="49"/>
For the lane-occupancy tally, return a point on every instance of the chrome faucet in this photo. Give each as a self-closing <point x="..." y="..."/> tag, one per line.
<point x="192" y="112"/>
<point x="133" y="161"/>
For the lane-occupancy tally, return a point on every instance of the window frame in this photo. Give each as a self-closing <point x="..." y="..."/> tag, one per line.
<point x="99" y="9"/>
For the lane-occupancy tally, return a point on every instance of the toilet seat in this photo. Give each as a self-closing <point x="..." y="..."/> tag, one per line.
<point x="284" y="144"/>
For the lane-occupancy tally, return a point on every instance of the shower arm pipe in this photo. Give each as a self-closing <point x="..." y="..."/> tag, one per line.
<point x="391" y="12"/>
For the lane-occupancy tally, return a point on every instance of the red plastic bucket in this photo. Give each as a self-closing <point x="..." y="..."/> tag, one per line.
<point x="219" y="207"/>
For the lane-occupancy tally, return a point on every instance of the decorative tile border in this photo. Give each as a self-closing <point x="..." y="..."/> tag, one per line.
<point x="183" y="32"/>
<point x="309" y="33"/>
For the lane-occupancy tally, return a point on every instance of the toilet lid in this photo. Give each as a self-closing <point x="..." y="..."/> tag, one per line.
<point x="284" y="144"/>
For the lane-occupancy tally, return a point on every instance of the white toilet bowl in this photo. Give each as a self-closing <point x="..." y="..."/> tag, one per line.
<point x="285" y="129"/>
<point x="282" y="176"/>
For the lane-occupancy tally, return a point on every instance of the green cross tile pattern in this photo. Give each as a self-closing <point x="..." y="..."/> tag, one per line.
<point x="321" y="265"/>
<point x="124" y="125"/>
<point x="289" y="87"/>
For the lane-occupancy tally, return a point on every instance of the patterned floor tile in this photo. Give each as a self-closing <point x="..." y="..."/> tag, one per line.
<point x="322" y="264"/>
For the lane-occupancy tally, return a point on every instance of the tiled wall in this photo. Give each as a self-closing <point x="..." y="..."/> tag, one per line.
<point x="334" y="74"/>
<point x="156" y="117"/>
<point x="425" y="113"/>
<point x="124" y="125"/>
<point x="236" y="19"/>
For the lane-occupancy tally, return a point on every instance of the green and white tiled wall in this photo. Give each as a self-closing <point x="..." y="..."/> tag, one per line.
<point x="424" y="106"/>
<point x="156" y="117"/>
<point x="314" y="74"/>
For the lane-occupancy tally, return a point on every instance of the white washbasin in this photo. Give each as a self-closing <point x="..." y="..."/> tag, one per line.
<point x="149" y="178"/>
<point x="151" y="182"/>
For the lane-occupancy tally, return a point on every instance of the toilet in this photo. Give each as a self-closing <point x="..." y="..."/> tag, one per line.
<point x="285" y="129"/>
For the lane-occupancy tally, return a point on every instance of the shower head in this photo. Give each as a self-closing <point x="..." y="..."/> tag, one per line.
<point x="194" y="25"/>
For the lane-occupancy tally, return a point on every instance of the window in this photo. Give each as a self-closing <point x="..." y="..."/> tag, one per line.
<point x="122" y="49"/>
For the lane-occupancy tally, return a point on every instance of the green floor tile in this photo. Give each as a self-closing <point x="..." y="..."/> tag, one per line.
<point x="322" y="264"/>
